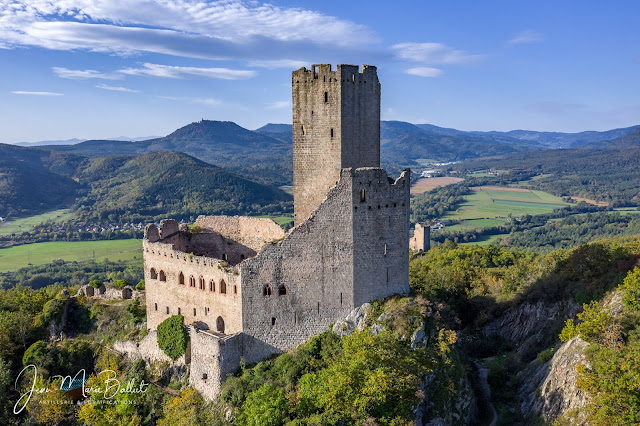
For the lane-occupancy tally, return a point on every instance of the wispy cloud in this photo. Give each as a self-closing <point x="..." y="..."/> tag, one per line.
<point x="84" y="74"/>
<point x="28" y="93"/>
<point x="527" y="36"/>
<point x="432" y="53"/>
<point x="203" y="101"/>
<point x="235" y="29"/>
<point x="425" y="72"/>
<point x="279" y="105"/>
<point x="278" y="63"/>
<point x="171" y="71"/>
<point x="116" y="88"/>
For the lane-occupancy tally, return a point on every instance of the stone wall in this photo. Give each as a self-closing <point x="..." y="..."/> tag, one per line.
<point x="315" y="265"/>
<point x="336" y="125"/>
<point x="252" y="232"/>
<point x="421" y="240"/>
<point x="202" y="306"/>
<point x="380" y="234"/>
<point x="147" y="349"/>
<point x="213" y="358"/>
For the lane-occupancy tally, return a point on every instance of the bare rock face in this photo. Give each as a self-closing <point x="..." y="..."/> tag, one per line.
<point x="552" y="389"/>
<point x="528" y="319"/>
<point x="354" y="321"/>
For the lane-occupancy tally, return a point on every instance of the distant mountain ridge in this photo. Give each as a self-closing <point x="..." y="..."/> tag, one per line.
<point x="158" y="184"/>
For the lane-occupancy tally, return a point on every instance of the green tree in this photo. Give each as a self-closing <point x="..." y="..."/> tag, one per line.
<point x="172" y="336"/>
<point x="266" y="406"/>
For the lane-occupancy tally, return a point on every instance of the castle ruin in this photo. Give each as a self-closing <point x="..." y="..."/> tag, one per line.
<point x="247" y="289"/>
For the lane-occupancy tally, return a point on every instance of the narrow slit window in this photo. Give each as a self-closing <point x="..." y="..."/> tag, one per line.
<point x="331" y="132"/>
<point x="363" y="196"/>
<point x="167" y="310"/>
<point x="326" y="97"/>
<point x="387" y="274"/>
<point x="273" y="321"/>
<point x="155" y="306"/>
<point x="318" y="307"/>
<point x="302" y="129"/>
<point x="194" y="312"/>
<point x="385" y="249"/>
<point x="340" y="298"/>
<point x="179" y="311"/>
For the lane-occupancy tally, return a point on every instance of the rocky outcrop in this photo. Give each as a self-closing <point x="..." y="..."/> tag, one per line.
<point x="552" y="388"/>
<point x="354" y="321"/>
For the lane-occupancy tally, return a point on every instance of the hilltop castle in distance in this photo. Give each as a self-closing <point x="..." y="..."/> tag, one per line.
<point x="247" y="289"/>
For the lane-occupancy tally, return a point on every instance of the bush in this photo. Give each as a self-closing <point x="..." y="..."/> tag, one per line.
<point x="140" y="285"/>
<point x="95" y="283"/>
<point x="120" y="284"/>
<point x="266" y="406"/>
<point x="631" y="290"/>
<point x="172" y="336"/>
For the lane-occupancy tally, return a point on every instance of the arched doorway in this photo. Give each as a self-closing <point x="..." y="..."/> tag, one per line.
<point x="220" y="325"/>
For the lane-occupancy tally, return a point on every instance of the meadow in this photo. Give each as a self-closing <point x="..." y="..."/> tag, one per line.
<point x="23" y="224"/>
<point x="492" y="202"/>
<point x="17" y="257"/>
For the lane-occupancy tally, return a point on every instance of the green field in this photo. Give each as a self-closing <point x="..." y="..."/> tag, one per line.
<point x="471" y="224"/>
<point x="27" y="223"/>
<point x="41" y="253"/>
<point x="489" y="204"/>
<point x="485" y="240"/>
<point x="284" y="221"/>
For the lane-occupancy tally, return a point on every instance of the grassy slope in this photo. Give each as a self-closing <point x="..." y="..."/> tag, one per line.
<point x="480" y="204"/>
<point x="17" y="257"/>
<point x="25" y="224"/>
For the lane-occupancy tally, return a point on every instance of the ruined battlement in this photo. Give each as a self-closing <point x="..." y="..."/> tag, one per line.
<point x="344" y="73"/>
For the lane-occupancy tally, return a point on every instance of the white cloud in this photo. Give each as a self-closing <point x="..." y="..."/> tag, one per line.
<point x="116" y="88"/>
<point x="527" y="36"/>
<point x="171" y="71"/>
<point x="432" y="53"/>
<point x="203" y="101"/>
<point x="425" y="72"/>
<point x="84" y="74"/>
<point x="214" y="29"/>
<point x="24" y="92"/>
<point x="279" y="105"/>
<point x="279" y="63"/>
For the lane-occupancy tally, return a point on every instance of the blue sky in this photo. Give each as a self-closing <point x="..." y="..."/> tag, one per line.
<point x="107" y="68"/>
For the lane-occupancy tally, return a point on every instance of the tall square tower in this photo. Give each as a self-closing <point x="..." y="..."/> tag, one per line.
<point x="336" y="125"/>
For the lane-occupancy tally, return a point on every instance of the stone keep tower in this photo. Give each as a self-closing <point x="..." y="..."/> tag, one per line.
<point x="336" y="125"/>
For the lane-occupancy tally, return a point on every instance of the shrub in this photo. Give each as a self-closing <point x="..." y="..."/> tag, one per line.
<point x="266" y="406"/>
<point x="631" y="290"/>
<point x="172" y="336"/>
<point x="140" y="285"/>
<point x="120" y="284"/>
<point x="95" y="283"/>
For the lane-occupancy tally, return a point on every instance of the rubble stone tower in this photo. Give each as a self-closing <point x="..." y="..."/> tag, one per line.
<point x="336" y="125"/>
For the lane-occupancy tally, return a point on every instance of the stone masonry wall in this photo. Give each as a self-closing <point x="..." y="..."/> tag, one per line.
<point x="336" y="124"/>
<point x="169" y="297"/>
<point x="421" y="240"/>
<point x="315" y="264"/>
<point x="213" y="357"/>
<point x="381" y="234"/>
<point x="252" y="232"/>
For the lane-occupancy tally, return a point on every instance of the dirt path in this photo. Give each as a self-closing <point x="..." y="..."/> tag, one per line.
<point x="483" y="373"/>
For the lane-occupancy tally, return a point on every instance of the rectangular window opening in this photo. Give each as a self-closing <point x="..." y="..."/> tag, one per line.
<point x="326" y="97"/>
<point x="273" y="320"/>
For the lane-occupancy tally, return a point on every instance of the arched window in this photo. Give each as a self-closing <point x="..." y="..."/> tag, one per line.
<point x="163" y="277"/>
<point x="181" y="278"/>
<point x="212" y="285"/>
<point x="154" y="274"/>
<point x="220" y="325"/>
<point x="223" y="287"/>
<point x="192" y="281"/>
<point x="266" y="290"/>
<point x="282" y="290"/>
<point x="201" y="283"/>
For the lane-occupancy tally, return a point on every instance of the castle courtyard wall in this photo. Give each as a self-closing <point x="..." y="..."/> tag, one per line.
<point x="169" y="297"/>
